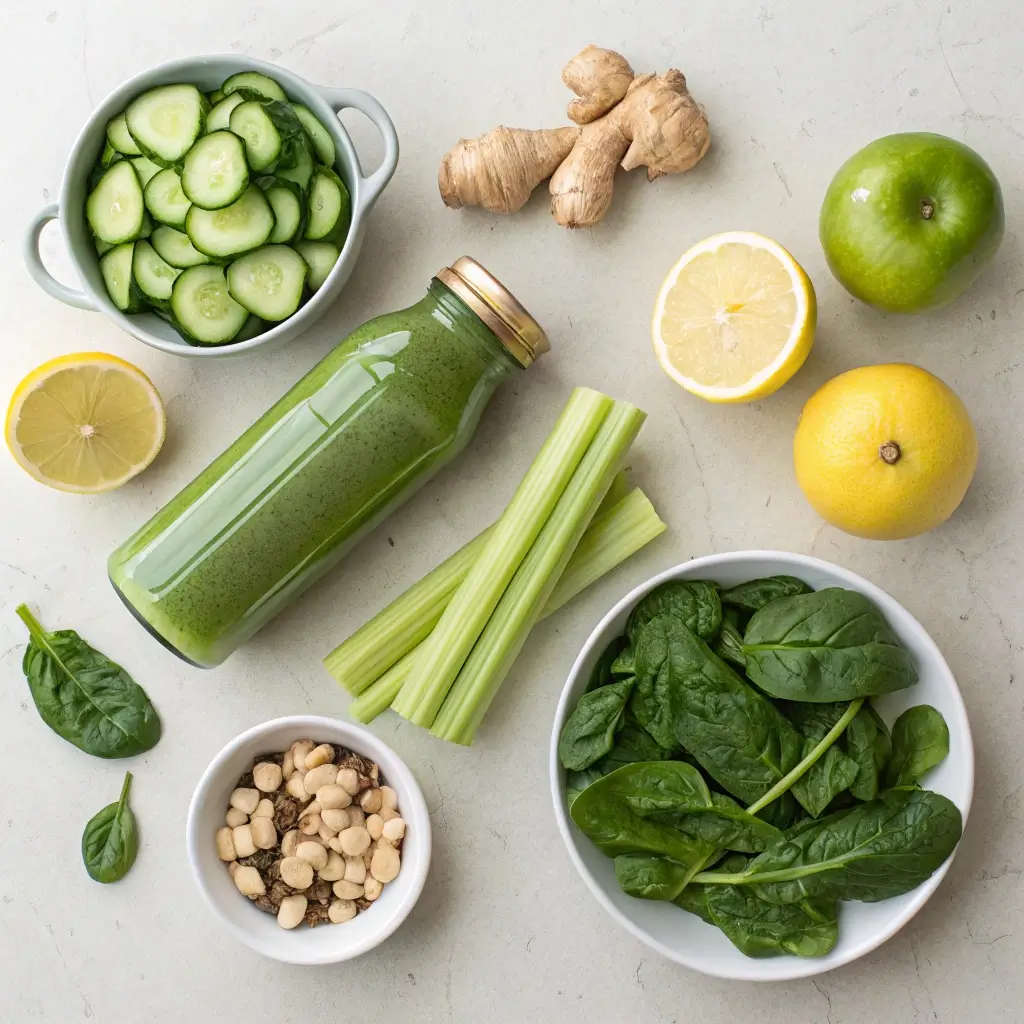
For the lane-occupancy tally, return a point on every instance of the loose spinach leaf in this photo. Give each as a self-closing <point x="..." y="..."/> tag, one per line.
<point x="610" y="811"/>
<point x="576" y="782"/>
<point x="755" y="594"/>
<point x="651" y="878"/>
<point x="589" y="733"/>
<point x="85" y="697"/>
<point x="694" y="602"/>
<point x="686" y="692"/>
<point x="724" y="824"/>
<point x="920" y="741"/>
<point x="760" y="929"/>
<point x="834" y="771"/>
<point x="632" y="744"/>
<point x="623" y="664"/>
<point x="601" y="674"/>
<point x="872" y="852"/>
<point x="110" y="841"/>
<point x="829" y="645"/>
<point x="728" y="644"/>
<point x="867" y="742"/>
<point x="693" y="899"/>
<point x="783" y="813"/>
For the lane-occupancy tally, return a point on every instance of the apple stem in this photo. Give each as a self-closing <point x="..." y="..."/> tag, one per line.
<point x="890" y="453"/>
<point x="927" y="208"/>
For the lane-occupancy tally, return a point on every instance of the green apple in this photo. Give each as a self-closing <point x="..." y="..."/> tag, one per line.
<point x="910" y="221"/>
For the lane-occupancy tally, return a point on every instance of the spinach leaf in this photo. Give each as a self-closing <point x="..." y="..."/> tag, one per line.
<point x="724" y="824"/>
<point x="760" y="929"/>
<point x="753" y="595"/>
<point x="589" y="733"/>
<point x="651" y="878"/>
<point x="728" y="644"/>
<point x="872" y="852"/>
<point x="783" y="812"/>
<point x="833" y="772"/>
<point x="632" y="744"/>
<point x="693" y="899"/>
<point x="685" y="691"/>
<point x="110" y="842"/>
<point x="829" y="645"/>
<point x="623" y="664"/>
<point x="610" y="811"/>
<point x="601" y="674"/>
<point x="694" y="602"/>
<point x="576" y="782"/>
<point x="867" y="742"/>
<point x="920" y="741"/>
<point x="85" y="697"/>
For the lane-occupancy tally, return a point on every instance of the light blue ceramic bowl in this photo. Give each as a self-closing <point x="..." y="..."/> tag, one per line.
<point x="208" y="73"/>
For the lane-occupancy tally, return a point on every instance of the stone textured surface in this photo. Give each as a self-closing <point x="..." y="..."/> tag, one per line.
<point x="505" y="930"/>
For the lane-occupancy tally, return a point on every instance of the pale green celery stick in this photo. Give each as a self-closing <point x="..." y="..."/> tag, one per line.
<point x="373" y="648"/>
<point x="521" y="604"/>
<point x="612" y="537"/>
<point x="618" y="490"/>
<point x="462" y="622"/>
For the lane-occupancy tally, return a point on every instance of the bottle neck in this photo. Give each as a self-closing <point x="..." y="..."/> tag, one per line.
<point x="450" y="309"/>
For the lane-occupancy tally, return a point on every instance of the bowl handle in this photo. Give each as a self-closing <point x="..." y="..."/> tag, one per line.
<point x="41" y="276"/>
<point x="372" y="186"/>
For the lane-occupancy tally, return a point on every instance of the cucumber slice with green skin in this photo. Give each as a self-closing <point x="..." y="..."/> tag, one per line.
<point x="215" y="173"/>
<point x="115" y="208"/>
<point x="116" y="268"/>
<point x="203" y="307"/>
<point x="110" y="156"/>
<point x="153" y="274"/>
<point x="101" y="246"/>
<point x="256" y="82"/>
<point x="147" y="225"/>
<point x="175" y="248"/>
<point x="330" y="208"/>
<point x="321" y="257"/>
<point x="119" y="138"/>
<point x="165" y="199"/>
<point x="220" y="116"/>
<point x="318" y="134"/>
<point x="166" y="121"/>
<point x="241" y="227"/>
<point x="268" y="282"/>
<point x="252" y="327"/>
<point x="288" y="203"/>
<point x="251" y="122"/>
<point x="145" y="169"/>
<point x="301" y="171"/>
<point x="213" y="98"/>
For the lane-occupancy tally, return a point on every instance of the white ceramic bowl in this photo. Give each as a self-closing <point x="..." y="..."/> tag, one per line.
<point x="208" y="73"/>
<point x="327" y="943"/>
<point x="862" y="926"/>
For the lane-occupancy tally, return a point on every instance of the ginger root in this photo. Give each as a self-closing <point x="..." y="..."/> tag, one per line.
<point x="626" y="120"/>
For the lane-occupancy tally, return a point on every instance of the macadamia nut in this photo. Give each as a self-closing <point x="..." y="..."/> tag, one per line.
<point x="309" y="824"/>
<point x="242" y="838"/>
<point x="292" y="911"/>
<point x="341" y="911"/>
<point x="354" y="841"/>
<point x="264" y="835"/>
<point x="355" y="870"/>
<point x="299" y="750"/>
<point x="370" y="800"/>
<point x="264" y="809"/>
<point x="322" y="775"/>
<point x="290" y="841"/>
<point x="375" y="826"/>
<point x="245" y="800"/>
<point x="323" y="754"/>
<point x="333" y="796"/>
<point x="295" y="787"/>
<point x="225" y="844"/>
<point x="248" y="881"/>
<point x="312" y="853"/>
<point x="385" y="864"/>
<point x="235" y="817"/>
<point x="297" y="872"/>
<point x="372" y="888"/>
<point x="393" y="829"/>
<point x="266" y="776"/>
<point x="335" y="818"/>
<point x="388" y="798"/>
<point x="347" y="890"/>
<point x="334" y="869"/>
<point x="348" y="779"/>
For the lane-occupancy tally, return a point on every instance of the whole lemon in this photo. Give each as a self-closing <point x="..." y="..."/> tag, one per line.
<point x="885" y="452"/>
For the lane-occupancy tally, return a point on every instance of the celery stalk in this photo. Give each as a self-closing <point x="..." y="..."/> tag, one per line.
<point x="612" y="537"/>
<point x="462" y="622"/>
<point x="521" y="604"/>
<point x="402" y="625"/>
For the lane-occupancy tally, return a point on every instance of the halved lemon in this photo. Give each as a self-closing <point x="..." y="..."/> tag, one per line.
<point x="85" y="423"/>
<point x="734" y="318"/>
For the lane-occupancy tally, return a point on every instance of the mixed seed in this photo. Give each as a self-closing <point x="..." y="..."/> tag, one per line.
<point x="312" y="834"/>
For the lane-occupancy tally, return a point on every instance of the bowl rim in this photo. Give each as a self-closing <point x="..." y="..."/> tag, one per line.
<point x="790" y="967"/>
<point x="363" y="742"/>
<point x="312" y="96"/>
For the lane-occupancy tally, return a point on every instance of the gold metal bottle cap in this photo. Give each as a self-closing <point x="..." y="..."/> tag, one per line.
<point x="497" y="307"/>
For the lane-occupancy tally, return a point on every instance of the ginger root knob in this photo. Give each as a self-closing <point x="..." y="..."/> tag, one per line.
<point x="600" y="78"/>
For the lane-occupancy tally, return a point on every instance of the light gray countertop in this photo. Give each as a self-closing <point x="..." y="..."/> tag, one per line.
<point x="505" y="930"/>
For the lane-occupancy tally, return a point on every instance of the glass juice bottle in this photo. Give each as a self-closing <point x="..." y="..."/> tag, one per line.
<point x="397" y="400"/>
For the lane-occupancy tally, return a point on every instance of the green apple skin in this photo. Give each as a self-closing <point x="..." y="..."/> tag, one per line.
<point x="910" y="221"/>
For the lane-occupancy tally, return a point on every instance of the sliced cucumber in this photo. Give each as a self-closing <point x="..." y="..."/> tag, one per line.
<point x="115" y="209"/>
<point x="251" y="122"/>
<point x="301" y="170"/>
<point x="253" y="326"/>
<point x="321" y="257"/>
<point x="220" y="116"/>
<point x="147" y="224"/>
<point x="116" y="268"/>
<point x="110" y="156"/>
<point x="330" y="208"/>
<point x="288" y="203"/>
<point x="254" y="82"/>
<point x="165" y="198"/>
<point x="215" y="173"/>
<point x="153" y="274"/>
<point x="119" y="138"/>
<point x="145" y="169"/>
<point x="213" y="98"/>
<point x="101" y="246"/>
<point x="321" y="138"/>
<point x="174" y="247"/>
<point x="204" y="308"/>
<point x="268" y="282"/>
<point x="244" y="225"/>
<point x="166" y="121"/>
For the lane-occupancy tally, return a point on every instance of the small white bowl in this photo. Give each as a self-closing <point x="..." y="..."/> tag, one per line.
<point x="862" y="926"/>
<point x="327" y="943"/>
